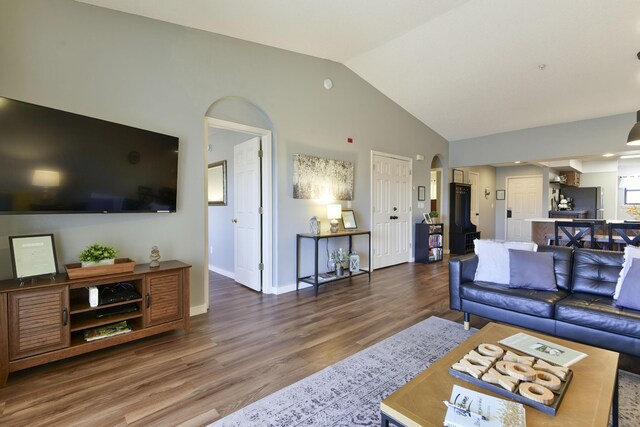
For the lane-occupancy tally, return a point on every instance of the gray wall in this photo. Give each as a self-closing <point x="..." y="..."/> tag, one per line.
<point x="164" y="77"/>
<point x="568" y="140"/>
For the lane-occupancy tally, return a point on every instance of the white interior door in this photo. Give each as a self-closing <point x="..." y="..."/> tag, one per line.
<point x="391" y="207"/>
<point x="247" y="218"/>
<point x="524" y="199"/>
<point x="474" y="180"/>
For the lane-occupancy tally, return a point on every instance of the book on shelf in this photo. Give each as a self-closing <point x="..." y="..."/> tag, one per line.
<point x="107" y="331"/>
<point x="543" y="349"/>
<point x="324" y="277"/>
<point x="469" y="408"/>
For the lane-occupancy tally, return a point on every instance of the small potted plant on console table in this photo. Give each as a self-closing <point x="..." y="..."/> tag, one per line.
<point x="340" y="259"/>
<point x="98" y="260"/>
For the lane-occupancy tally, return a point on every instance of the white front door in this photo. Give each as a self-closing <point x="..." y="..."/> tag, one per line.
<point x="391" y="207"/>
<point x="524" y="200"/>
<point x="246" y="216"/>
<point x="474" y="180"/>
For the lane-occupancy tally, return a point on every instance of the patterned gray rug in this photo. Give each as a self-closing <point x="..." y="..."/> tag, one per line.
<point x="349" y="392"/>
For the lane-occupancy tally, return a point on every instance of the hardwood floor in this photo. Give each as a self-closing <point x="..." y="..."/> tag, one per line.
<point x="246" y="347"/>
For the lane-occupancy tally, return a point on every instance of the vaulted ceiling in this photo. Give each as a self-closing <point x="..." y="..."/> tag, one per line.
<point x="465" y="68"/>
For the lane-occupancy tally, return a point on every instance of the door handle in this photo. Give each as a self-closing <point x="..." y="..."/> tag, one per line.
<point x="65" y="316"/>
<point x="148" y="300"/>
<point x="234" y="220"/>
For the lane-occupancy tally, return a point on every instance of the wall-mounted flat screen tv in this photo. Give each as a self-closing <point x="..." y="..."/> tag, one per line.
<point x="52" y="161"/>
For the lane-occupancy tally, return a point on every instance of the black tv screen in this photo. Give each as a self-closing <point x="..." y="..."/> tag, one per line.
<point x="52" y="161"/>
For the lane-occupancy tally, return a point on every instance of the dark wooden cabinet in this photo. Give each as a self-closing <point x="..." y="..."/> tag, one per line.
<point x="46" y="319"/>
<point x="462" y="231"/>
<point x="38" y="321"/>
<point x="569" y="214"/>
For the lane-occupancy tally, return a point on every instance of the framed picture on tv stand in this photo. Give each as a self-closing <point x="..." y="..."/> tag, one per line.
<point x="33" y="256"/>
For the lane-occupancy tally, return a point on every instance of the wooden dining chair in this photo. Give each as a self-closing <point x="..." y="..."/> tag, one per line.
<point x="575" y="233"/>
<point x="623" y="234"/>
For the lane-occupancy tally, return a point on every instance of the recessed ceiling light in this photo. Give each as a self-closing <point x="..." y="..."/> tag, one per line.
<point x="517" y="161"/>
<point x="541" y="67"/>
<point x="608" y="155"/>
<point x="630" y="156"/>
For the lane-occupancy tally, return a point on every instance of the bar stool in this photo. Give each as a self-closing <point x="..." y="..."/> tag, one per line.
<point x="574" y="233"/>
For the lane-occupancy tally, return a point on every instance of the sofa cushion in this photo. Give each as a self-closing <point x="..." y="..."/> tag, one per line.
<point x="630" y="253"/>
<point x="630" y="291"/>
<point x="595" y="271"/>
<point x="527" y="301"/>
<point x="562" y="259"/>
<point x="531" y="270"/>
<point x="598" y="312"/>
<point x="493" y="259"/>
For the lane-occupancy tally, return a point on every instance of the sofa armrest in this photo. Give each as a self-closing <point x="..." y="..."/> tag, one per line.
<point x="461" y="269"/>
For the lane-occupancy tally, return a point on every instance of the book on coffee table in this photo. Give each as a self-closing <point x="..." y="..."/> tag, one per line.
<point x="543" y="349"/>
<point x="468" y="408"/>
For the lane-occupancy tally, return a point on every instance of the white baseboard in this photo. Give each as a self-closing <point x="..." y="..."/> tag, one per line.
<point x="198" y="309"/>
<point x="226" y="273"/>
<point x="290" y="288"/>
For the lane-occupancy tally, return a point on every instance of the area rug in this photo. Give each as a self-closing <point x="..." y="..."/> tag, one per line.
<point x="349" y="392"/>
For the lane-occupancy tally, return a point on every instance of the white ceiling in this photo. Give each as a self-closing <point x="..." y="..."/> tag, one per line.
<point x="465" y="68"/>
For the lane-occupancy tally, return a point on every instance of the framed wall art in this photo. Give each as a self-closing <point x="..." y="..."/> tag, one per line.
<point x="499" y="194"/>
<point x="421" y="193"/>
<point x="458" y="176"/>
<point x="217" y="183"/>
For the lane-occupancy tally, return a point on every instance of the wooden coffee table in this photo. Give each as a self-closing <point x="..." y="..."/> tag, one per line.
<point x="588" y="401"/>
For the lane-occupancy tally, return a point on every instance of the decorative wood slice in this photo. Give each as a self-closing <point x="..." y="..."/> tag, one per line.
<point x="525" y="360"/>
<point x="490" y="350"/>
<point x="536" y="392"/>
<point x="478" y="359"/>
<point x="467" y="366"/>
<point x="520" y="371"/>
<point x="547" y="380"/>
<point x="505" y="381"/>
<point x="559" y="371"/>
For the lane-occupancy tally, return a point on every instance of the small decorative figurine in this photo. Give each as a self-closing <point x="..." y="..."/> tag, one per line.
<point x="154" y="257"/>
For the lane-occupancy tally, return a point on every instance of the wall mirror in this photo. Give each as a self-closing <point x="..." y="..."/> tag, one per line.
<point x="217" y="187"/>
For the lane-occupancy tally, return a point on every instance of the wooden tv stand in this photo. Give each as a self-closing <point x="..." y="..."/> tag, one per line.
<point x="44" y="320"/>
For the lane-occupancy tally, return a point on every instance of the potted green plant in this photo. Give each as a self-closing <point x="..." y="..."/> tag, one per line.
<point x="340" y="259"/>
<point x="97" y="254"/>
<point x="434" y="214"/>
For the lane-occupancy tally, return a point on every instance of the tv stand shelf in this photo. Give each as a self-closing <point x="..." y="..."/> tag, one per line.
<point x="45" y="320"/>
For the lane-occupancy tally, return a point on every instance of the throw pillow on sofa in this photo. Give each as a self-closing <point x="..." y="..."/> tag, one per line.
<point x="493" y="259"/>
<point x="630" y="290"/>
<point x="532" y="270"/>
<point x="630" y="253"/>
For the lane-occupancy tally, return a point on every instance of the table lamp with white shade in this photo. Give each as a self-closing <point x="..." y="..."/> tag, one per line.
<point x="334" y="212"/>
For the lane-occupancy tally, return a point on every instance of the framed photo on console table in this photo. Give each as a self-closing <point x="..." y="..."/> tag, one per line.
<point x="33" y="255"/>
<point x="349" y="219"/>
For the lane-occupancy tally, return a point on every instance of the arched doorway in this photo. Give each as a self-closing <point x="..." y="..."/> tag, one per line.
<point x="234" y="249"/>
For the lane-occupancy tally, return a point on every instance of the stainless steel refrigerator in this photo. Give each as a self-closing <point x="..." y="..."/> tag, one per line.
<point x="586" y="198"/>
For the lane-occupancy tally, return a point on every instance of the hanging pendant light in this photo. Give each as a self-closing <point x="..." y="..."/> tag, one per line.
<point x="634" y="135"/>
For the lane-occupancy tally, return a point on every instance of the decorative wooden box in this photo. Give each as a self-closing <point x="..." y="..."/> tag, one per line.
<point x="120" y="265"/>
<point x="551" y="408"/>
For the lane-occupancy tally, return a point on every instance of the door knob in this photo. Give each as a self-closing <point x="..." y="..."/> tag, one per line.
<point x="234" y="220"/>
<point x="395" y="209"/>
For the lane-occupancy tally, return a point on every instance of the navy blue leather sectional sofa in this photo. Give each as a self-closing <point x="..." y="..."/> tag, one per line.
<point x="582" y="309"/>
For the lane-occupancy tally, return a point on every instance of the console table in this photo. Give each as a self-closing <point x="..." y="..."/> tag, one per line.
<point x="313" y="279"/>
